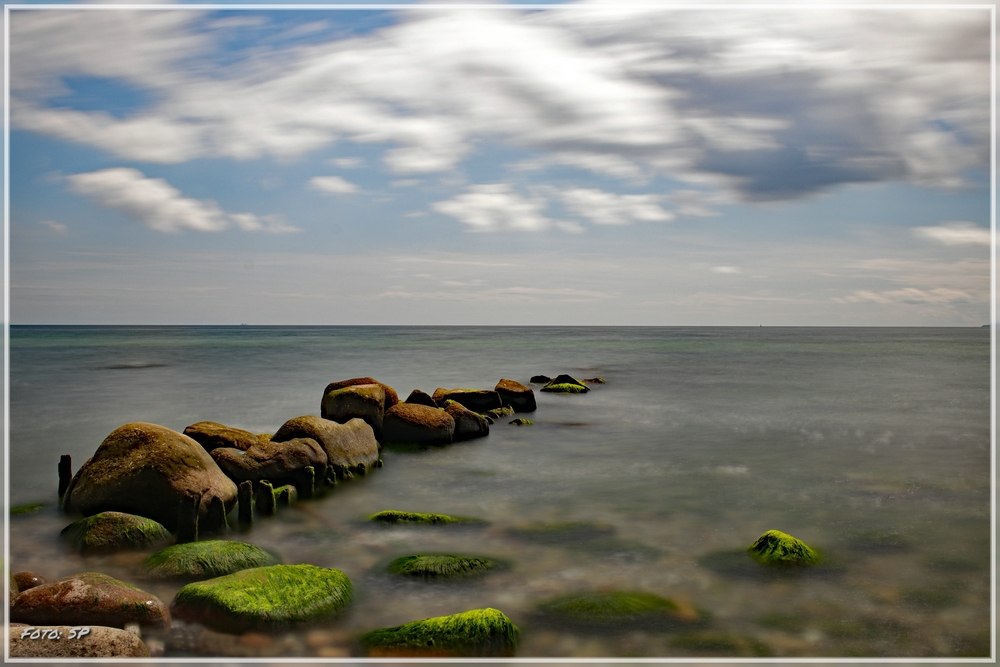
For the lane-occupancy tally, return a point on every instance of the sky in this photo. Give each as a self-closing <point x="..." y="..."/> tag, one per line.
<point x="575" y="165"/>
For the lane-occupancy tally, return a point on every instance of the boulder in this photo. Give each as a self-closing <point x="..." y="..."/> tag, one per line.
<point x="595" y="380"/>
<point x="264" y="598"/>
<point x="477" y="400"/>
<point x="565" y="384"/>
<point x="147" y="469"/>
<point x="99" y="642"/>
<point x="89" y="598"/>
<point x="204" y="560"/>
<point x="211" y="435"/>
<point x="347" y="446"/>
<point x="777" y="548"/>
<point x="397" y="516"/>
<point x="617" y="608"/>
<point x="516" y="395"/>
<point x="275" y="462"/>
<point x="468" y="424"/>
<point x="115" y="530"/>
<point x="440" y="566"/>
<point x="14" y="591"/>
<point x="540" y="379"/>
<point x="363" y="401"/>
<point x="391" y="397"/>
<point x="26" y="580"/>
<point x="476" y="633"/>
<point x="406" y="423"/>
<point x="418" y="397"/>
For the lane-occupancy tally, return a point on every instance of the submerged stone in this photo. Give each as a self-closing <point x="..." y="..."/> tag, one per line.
<point x="265" y="598"/>
<point x="26" y="509"/>
<point x="396" y="516"/>
<point x="433" y="566"/>
<point x="521" y="421"/>
<point x="540" y="379"/>
<point x="115" y="530"/>
<point x="777" y="548"/>
<point x="476" y="633"/>
<point x="615" y="607"/>
<point x="497" y="413"/>
<point x="203" y="560"/>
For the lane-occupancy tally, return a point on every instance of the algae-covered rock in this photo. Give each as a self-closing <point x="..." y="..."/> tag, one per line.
<point x="277" y="462"/>
<point x="440" y="566"/>
<point x="204" y="560"/>
<point x="29" y="508"/>
<point x="360" y="401"/>
<point x="777" y="548"/>
<point x="497" y="413"/>
<point x="396" y="516"/>
<point x="347" y="446"/>
<point x="565" y="384"/>
<point x="212" y="434"/>
<point x="115" y="530"/>
<point x="614" y="607"/>
<point x="90" y="598"/>
<point x="521" y="421"/>
<point x="408" y="423"/>
<point x="516" y="395"/>
<point x="265" y="598"/>
<point x="722" y="644"/>
<point x="98" y="642"/>
<point x="595" y="380"/>
<point x="149" y="470"/>
<point x="468" y="424"/>
<point x="477" y="400"/>
<point x="391" y="397"/>
<point x="418" y="397"/>
<point x="476" y="633"/>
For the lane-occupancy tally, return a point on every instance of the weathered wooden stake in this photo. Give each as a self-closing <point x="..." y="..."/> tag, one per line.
<point x="65" y="474"/>
<point x="265" y="498"/>
<point x="215" y="518"/>
<point x="245" y="501"/>
<point x="286" y="495"/>
<point x="308" y="485"/>
<point x="187" y="518"/>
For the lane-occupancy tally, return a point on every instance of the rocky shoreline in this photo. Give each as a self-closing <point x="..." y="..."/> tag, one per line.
<point x="178" y="495"/>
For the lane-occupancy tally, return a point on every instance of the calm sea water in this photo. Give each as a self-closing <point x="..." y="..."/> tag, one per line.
<point x="872" y="445"/>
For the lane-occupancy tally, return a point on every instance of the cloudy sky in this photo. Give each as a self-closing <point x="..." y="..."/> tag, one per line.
<point x="575" y="165"/>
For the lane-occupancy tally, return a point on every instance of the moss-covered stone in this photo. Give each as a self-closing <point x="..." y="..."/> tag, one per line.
<point x="115" y="530"/>
<point x="565" y="388"/>
<point x="265" y="598"/>
<point x="497" y="413"/>
<point x="595" y="380"/>
<point x="434" y="566"/>
<point x="777" y="548"/>
<point x="476" y="633"/>
<point x="521" y="421"/>
<point x="721" y="643"/>
<point x="396" y="516"/>
<point x="614" y="607"/>
<point x="26" y="509"/>
<point x="203" y="560"/>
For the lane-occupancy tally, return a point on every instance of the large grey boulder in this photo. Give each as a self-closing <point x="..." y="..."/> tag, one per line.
<point x="407" y="423"/>
<point x="147" y="469"/>
<point x="212" y="434"/>
<point x="364" y="401"/>
<point x="277" y="462"/>
<point x="347" y="446"/>
<point x="391" y="397"/>
<point x="477" y="400"/>
<point x="468" y="424"/>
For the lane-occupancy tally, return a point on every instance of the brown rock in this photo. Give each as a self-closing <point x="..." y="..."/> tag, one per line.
<point x="99" y="642"/>
<point x="418" y="397"/>
<point x="516" y="395"/>
<point x="14" y="591"/>
<point x="363" y="401"/>
<point x="26" y="580"/>
<point x="477" y="400"/>
<point x="89" y="598"/>
<point x="147" y="469"/>
<point x="406" y="423"/>
<point x="346" y="445"/>
<point x="391" y="397"/>
<point x="468" y="424"/>
<point x="211" y="435"/>
<point x="277" y="462"/>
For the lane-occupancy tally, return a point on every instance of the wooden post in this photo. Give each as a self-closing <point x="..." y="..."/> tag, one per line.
<point x="265" y="498"/>
<point x="215" y="519"/>
<point x="245" y="500"/>
<point x="187" y="519"/>
<point x="65" y="474"/>
<point x="308" y="484"/>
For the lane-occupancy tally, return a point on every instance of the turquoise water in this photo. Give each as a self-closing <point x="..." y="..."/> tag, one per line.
<point x="873" y="445"/>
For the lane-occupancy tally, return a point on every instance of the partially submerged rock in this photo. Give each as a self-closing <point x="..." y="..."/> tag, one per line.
<point x="277" y="462"/>
<point x="615" y="608"/>
<point x="440" y="566"/>
<point x="26" y="580"/>
<point x="540" y="379"/>
<point x="418" y="397"/>
<point x="361" y="401"/>
<point x="28" y="641"/>
<point x="212" y="434"/>
<point x="115" y="530"/>
<point x="478" y="633"/>
<point x="777" y="548"/>
<point x="14" y="591"/>
<point x="148" y="470"/>
<point x="594" y="380"/>
<point x="396" y="516"/>
<point x="565" y="384"/>
<point x="204" y="560"/>
<point x="407" y="423"/>
<point x="516" y="395"/>
<point x="468" y="424"/>
<point x="521" y="421"/>
<point x="265" y="598"/>
<point x="347" y="446"/>
<point x="391" y="397"/>
<point x="497" y="413"/>
<point x="90" y="598"/>
<point x="29" y="508"/>
<point x="477" y="400"/>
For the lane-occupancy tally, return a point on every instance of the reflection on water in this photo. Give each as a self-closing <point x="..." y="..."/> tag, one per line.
<point x="871" y="445"/>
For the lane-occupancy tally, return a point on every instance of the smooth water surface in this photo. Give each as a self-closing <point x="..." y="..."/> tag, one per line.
<point x="872" y="445"/>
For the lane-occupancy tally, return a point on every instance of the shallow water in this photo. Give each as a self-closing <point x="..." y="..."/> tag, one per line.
<point x="872" y="445"/>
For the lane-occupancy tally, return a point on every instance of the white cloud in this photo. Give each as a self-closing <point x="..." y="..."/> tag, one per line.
<point x="332" y="184"/>
<point x="910" y="295"/>
<point x="495" y="207"/>
<point x="57" y="227"/>
<point x="956" y="233"/>
<point x="608" y="208"/>
<point x="161" y="206"/>
<point x="727" y="269"/>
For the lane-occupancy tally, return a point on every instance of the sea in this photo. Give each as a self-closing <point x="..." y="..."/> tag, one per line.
<point x="872" y="445"/>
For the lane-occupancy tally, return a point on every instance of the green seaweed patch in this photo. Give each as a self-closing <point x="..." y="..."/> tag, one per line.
<point x="777" y="548"/>
<point x="616" y="608"/>
<point x="115" y="530"/>
<point x="567" y="531"/>
<point x="521" y="421"/>
<point x="721" y="643"/>
<point x="565" y="388"/>
<point x="204" y="560"/>
<point x="476" y="633"/>
<point x="441" y="566"/>
<point x="396" y="516"/>
<point x="26" y="509"/>
<point x="497" y="413"/>
<point x="264" y="598"/>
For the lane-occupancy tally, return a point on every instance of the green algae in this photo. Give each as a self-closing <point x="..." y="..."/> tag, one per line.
<point x="565" y="388"/>
<point x="721" y="643"/>
<point x="441" y="566"/>
<point x="521" y="421"/>
<point x="476" y="633"/>
<point x="497" y="413"/>
<point x="26" y="509"/>
<point x="396" y="516"/>
<point x="777" y="548"/>
<point x="203" y="560"/>
<point x="110" y="530"/>
<point x="611" y="607"/>
<point x="265" y="598"/>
